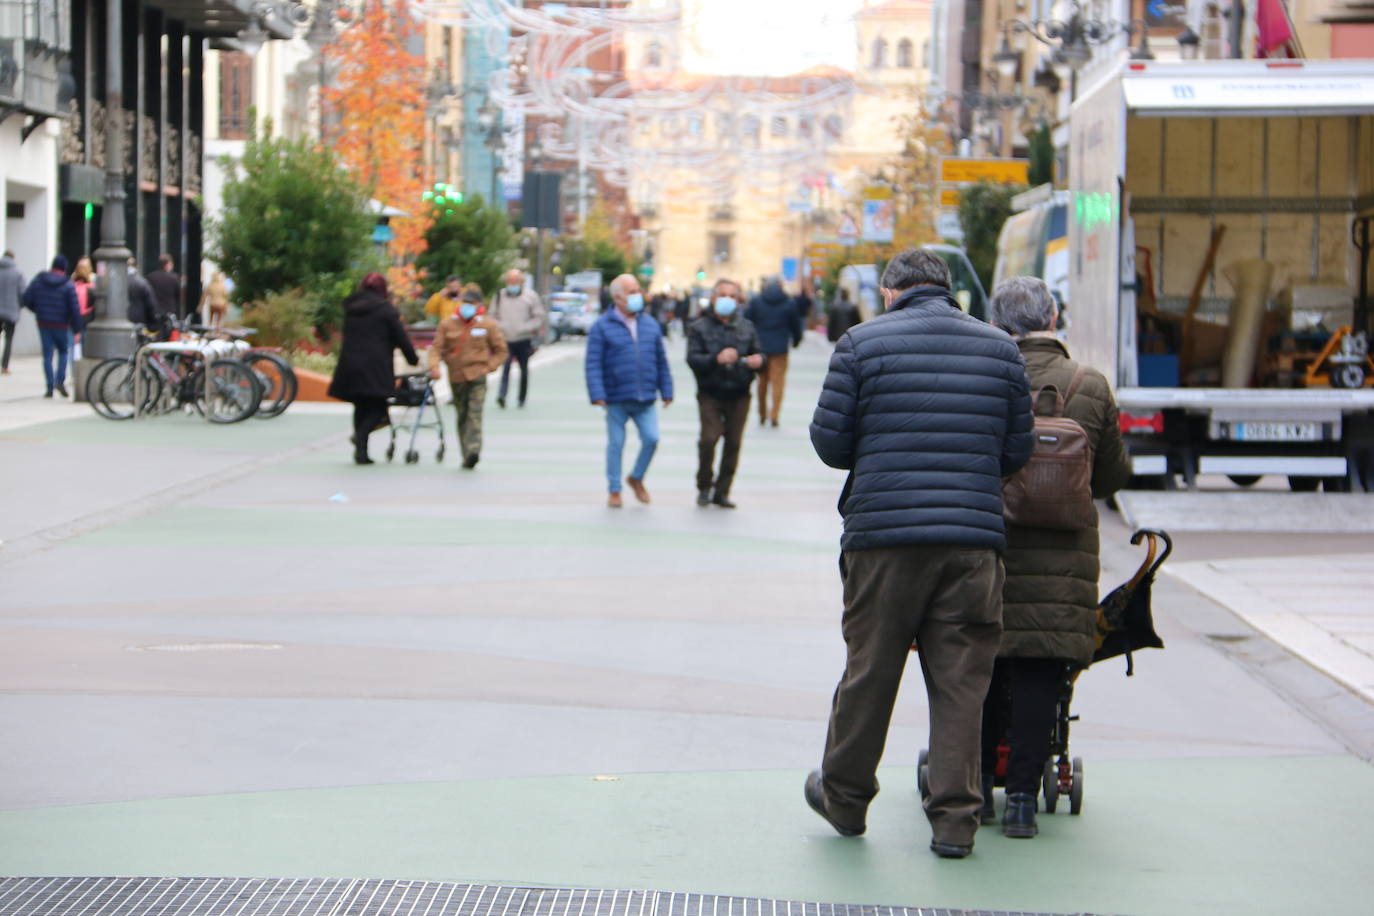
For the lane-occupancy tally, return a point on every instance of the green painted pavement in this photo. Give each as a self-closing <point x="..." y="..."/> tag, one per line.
<point x="339" y="527"/>
<point x="183" y="431"/>
<point x="1167" y="837"/>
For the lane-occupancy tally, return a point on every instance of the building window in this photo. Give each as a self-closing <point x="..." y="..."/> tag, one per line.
<point x="833" y="125"/>
<point x="777" y="126"/>
<point x="750" y="128"/>
<point x="720" y="247"/>
<point x="879" y="54"/>
<point x="235" y="94"/>
<point x="653" y="57"/>
<point x="904" y="53"/>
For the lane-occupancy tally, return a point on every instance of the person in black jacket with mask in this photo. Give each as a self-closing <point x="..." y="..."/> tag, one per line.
<point x="928" y="409"/>
<point x="723" y="351"/>
<point x="372" y="330"/>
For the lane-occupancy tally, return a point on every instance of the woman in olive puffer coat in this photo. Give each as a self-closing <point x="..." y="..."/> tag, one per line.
<point x="1049" y="601"/>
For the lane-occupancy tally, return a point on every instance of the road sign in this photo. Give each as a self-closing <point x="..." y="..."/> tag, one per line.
<point x="948" y="226"/>
<point x="1010" y="171"/>
<point x="849" y="229"/>
<point x="949" y="197"/>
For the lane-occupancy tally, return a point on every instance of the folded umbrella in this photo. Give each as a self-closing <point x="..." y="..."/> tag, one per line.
<point x="1124" y="620"/>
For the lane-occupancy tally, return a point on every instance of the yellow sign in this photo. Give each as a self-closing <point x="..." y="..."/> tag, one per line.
<point x="878" y="192"/>
<point x="1010" y="171"/>
<point x="949" y="197"/>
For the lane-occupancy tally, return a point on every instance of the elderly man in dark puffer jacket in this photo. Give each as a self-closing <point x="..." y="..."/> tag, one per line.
<point x="928" y="409"/>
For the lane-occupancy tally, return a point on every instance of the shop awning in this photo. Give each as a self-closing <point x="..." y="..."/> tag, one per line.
<point x="1249" y="88"/>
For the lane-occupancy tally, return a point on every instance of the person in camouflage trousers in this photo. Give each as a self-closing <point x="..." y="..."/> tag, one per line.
<point x="470" y="345"/>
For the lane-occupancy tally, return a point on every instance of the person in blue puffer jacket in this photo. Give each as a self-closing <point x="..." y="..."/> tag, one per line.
<point x="627" y="370"/>
<point x="52" y="298"/>
<point x="928" y="408"/>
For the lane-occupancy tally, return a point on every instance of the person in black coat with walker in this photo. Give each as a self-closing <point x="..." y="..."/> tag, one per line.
<point x="372" y="330"/>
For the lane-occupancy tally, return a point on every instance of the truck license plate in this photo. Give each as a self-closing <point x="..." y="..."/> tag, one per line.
<point x="1276" y="432"/>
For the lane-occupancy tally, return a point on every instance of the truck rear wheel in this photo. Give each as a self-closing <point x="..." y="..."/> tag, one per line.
<point x="1303" y="484"/>
<point x="1244" y="480"/>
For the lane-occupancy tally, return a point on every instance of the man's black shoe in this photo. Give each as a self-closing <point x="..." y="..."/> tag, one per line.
<point x="1018" y="821"/>
<point x="470" y="461"/>
<point x="816" y="799"/>
<point x="703" y="497"/>
<point x="720" y="499"/>
<point x="62" y="391"/>
<point x="951" y="850"/>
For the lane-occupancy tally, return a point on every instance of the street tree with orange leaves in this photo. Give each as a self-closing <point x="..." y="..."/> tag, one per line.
<point x="375" y="112"/>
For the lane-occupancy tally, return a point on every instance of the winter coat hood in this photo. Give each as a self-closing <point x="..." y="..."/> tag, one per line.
<point x="365" y="303"/>
<point x="774" y="296"/>
<point x="52" y="279"/>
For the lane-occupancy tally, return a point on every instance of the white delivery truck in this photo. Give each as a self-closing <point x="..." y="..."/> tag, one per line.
<point x="1218" y="240"/>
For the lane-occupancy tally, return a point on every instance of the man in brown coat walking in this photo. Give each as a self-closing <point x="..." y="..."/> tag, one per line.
<point x="471" y="346"/>
<point x="1049" y="599"/>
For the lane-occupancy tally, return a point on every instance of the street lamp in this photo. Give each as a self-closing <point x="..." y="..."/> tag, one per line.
<point x="253" y="36"/>
<point x="1189" y="43"/>
<point x="1072" y="40"/>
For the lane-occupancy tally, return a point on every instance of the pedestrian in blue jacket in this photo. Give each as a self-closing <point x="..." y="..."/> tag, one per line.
<point x="52" y="298"/>
<point x="627" y="370"/>
<point x="928" y="409"/>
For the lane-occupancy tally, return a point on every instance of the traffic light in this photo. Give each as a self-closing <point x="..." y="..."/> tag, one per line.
<point x="442" y="193"/>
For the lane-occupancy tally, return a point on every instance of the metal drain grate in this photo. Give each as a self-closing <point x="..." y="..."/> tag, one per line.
<point x="343" y="897"/>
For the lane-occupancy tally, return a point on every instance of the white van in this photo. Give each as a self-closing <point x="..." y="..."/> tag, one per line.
<point x="1035" y="241"/>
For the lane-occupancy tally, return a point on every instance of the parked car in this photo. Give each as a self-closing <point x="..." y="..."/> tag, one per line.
<point x="570" y="313"/>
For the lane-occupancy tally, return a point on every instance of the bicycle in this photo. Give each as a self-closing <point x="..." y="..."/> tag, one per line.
<point x="194" y="374"/>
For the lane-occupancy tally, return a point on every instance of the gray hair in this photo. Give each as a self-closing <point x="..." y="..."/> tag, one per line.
<point x="715" y="290"/>
<point x="618" y="284"/>
<point x="915" y="267"/>
<point x="1022" y="305"/>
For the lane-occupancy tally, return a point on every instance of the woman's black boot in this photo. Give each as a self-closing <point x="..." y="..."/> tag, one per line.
<point x="986" y="814"/>
<point x="1018" y="821"/>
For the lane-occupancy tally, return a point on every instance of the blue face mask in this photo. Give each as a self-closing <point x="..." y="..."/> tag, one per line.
<point x="513" y="290"/>
<point x="467" y="310"/>
<point x="725" y="306"/>
<point x="634" y="303"/>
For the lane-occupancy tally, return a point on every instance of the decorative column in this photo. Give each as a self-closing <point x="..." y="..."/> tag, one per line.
<point x="111" y="334"/>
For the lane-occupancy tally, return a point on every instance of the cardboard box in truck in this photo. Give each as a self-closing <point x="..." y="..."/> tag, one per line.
<point x="1207" y="199"/>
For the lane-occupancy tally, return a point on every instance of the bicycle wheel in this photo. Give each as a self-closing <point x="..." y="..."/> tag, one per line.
<point x="231" y="392"/>
<point x="110" y="388"/>
<point x="279" y="384"/>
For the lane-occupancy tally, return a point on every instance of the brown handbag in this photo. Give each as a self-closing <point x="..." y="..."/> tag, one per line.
<point x="1054" y="489"/>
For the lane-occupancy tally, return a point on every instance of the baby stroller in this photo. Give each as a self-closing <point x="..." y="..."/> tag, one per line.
<point x="415" y="394"/>
<point x="1124" y="624"/>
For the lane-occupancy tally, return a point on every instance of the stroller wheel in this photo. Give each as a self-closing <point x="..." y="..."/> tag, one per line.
<point x="439" y="455"/>
<point x="390" y="451"/>
<point x="412" y="457"/>
<point x="1051" y="785"/>
<point x="923" y="774"/>
<point x="1076" y="793"/>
